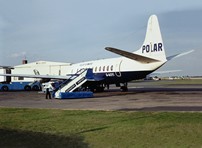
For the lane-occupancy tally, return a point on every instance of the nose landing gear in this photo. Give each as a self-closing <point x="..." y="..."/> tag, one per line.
<point x="124" y="88"/>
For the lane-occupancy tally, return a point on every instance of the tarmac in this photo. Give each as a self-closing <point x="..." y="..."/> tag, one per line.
<point x="140" y="97"/>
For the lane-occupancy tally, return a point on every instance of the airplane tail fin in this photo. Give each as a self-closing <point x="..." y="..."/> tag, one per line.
<point x="153" y="46"/>
<point x="152" y="49"/>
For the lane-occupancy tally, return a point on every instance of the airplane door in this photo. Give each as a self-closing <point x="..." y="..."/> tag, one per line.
<point x="118" y="69"/>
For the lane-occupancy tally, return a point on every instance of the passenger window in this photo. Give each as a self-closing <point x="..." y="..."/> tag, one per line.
<point x="103" y="68"/>
<point x="112" y="68"/>
<point x="100" y="68"/>
<point x="107" y="68"/>
<point x="95" y="69"/>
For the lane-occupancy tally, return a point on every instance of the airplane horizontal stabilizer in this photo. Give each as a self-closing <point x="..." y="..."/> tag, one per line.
<point x="133" y="56"/>
<point x="164" y="72"/>
<point x="6" y="67"/>
<point x="179" y="55"/>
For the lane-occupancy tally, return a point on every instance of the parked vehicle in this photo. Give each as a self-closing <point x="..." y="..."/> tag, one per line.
<point x="27" y="86"/>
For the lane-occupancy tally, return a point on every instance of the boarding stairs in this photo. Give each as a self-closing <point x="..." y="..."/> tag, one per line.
<point x="74" y="82"/>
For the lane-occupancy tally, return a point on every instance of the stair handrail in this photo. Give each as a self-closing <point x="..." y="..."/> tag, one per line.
<point x="79" y="72"/>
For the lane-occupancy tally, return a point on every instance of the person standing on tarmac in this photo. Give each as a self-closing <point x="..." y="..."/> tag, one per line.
<point x="48" y="94"/>
<point x="49" y="91"/>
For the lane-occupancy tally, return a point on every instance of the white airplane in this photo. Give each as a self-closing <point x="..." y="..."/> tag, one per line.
<point x="130" y="66"/>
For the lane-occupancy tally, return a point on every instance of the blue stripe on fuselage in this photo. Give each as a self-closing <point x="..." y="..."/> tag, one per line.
<point x="113" y="78"/>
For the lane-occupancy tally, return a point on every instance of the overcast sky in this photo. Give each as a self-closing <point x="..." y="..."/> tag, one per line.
<point x="79" y="30"/>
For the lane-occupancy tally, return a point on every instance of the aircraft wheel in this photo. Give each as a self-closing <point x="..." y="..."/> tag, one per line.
<point x="100" y="89"/>
<point x="124" y="88"/>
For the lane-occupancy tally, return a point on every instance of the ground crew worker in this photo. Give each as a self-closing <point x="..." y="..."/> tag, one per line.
<point x="49" y="90"/>
<point x="48" y="94"/>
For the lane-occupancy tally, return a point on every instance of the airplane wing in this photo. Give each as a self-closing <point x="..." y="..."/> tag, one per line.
<point x="178" y="55"/>
<point x="132" y="56"/>
<point x="38" y="76"/>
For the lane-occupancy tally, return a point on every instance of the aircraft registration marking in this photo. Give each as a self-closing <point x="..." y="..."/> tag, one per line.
<point x="111" y="74"/>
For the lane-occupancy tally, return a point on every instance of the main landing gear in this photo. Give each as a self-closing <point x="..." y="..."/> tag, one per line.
<point x="101" y="87"/>
<point x="124" y="86"/>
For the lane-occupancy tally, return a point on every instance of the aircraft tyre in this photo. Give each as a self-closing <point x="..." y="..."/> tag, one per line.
<point x="124" y="88"/>
<point x="100" y="89"/>
<point x="97" y="89"/>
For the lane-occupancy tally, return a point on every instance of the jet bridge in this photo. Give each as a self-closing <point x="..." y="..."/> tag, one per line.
<point x="67" y="88"/>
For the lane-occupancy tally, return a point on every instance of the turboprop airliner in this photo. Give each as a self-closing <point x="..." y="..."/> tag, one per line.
<point x="129" y="66"/>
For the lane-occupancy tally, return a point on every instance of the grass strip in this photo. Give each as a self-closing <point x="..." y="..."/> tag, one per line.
<point x="68" y="128"/>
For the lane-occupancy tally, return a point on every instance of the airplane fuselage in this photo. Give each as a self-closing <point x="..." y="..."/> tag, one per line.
<point x="116" y="70"/>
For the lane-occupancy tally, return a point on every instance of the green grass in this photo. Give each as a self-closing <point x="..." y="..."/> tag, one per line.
<point x="64" y="128"/>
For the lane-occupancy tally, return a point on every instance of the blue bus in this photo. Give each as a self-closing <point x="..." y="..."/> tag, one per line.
<point x="27" y="86"/>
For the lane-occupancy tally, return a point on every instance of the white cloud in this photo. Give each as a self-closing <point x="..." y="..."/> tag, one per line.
<point x="18" y="55"/>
